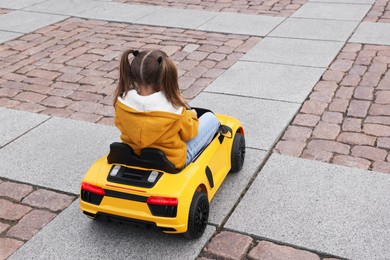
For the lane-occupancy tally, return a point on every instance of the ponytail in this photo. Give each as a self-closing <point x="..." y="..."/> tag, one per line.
<point x="169" y="81"/>
<point x="126" y="81"/>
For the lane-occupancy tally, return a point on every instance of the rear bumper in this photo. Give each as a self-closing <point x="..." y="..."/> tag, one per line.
<point x="134" y="212"/>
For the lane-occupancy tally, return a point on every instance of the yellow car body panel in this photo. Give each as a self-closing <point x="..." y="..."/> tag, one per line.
<point x="183" y="185"/>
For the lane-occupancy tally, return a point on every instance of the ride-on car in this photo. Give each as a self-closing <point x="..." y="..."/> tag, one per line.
<point x="148" y="188"/>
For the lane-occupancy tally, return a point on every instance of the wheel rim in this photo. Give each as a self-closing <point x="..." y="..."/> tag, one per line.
<point x="201" y="216"/>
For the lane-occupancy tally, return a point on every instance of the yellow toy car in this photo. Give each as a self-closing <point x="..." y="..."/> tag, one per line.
<point x="148" y="189"/>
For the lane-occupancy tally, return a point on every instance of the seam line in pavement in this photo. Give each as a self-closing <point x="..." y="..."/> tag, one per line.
<point x="16" y="138"/>
<point x="243" y="96"/>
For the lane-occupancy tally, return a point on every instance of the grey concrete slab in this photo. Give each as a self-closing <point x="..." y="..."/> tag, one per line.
<point x="372" y="33"/>
<point x="242" y="24"/>
<point x="263" y="120"/>
<point x="327" y="30"/>
<point x="12" y="4"/>
<point x="69" y="7"/>
<point x="269" y="81"/>
<point x="73" y="236"/>
<point x="331" y="209"/>
<point x="15" y="123"/>
<point x="57" y="153"/>
<point x="290" y="51"/>
<point x="173" y="17"/>
<point x="119" y="12"/>
<point x="344" y="1"/>
<point x="351" y="12"/>
<point x="25" y="22"/>
<point x="233" y="186"/>
<point x="7" y="36"/>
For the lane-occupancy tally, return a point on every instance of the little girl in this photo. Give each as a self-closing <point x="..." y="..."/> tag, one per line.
<point x="150" y="112"/>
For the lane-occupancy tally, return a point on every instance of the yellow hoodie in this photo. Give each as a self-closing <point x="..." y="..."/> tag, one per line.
<point x="156" y="129"/>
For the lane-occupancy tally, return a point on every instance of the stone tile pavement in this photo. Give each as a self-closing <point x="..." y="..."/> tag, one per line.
<point x="324" y="95"/>
<point x="282" y="8"/>
<point x="24" y="210"/>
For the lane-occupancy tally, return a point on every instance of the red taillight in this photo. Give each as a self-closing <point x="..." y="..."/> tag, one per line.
<point x="162" y="201"/>
<point x="92" y="188"/>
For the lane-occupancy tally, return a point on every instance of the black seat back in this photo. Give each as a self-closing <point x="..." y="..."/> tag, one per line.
<point x="150" y="158"/>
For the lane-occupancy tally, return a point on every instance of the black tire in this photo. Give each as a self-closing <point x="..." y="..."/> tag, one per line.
<point x="198" y="216"/>
<point x="238" y="153"/>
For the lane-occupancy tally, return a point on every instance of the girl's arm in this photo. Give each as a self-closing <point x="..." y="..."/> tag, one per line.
<point x="188" y="125"/>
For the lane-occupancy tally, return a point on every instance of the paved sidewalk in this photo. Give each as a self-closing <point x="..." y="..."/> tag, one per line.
<point x="308" y="79"/>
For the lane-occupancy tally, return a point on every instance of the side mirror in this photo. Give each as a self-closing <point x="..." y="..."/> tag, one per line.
<point x="226" y="131"/>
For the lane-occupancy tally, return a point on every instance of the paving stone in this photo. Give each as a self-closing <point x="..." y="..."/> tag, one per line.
<point x="330" y="30"/>
<point x="358" y="108"/>
<point x="8" y="246"/>
<point x="332" y="75"/>
<point x="293" y="148"/>
<point x="112" y="11"/>
<point x="329" y="146"/>
<point x="269" y="251"/>
<point x="380" y="166"/>
<point x="172" y="17"/>
<point x="306" y="120"/>
<point x="15" y="191"/>
<point x="30" y="224"/>
<point x="241" y="24"/>
<point x="372" y="33"/>
<point x="324" y="207"/>
<point x="228" y="245"/>
<point x="383" y="142"/>
<point x="75" y="240"/>
<point x="16" y="123"/>
<point x="313" y="107"/>
<point x="368" y="152"/>
<point x="379" y="110"/>
<point x="294" y="52"/>
<point x="356" y="138"/>
<point x="25" y="22"/>
<point x="12" y="211"/>
<point x="376" y="130"/>
<point x="339" y="105"/>
<point x="365" y="93"/>
<point x="325" y="130"/>
<point x="382" y="97"/>
<point x="3" y="227"/>
<point x="350" y="161"/>
<point x="318" y="155"/>
<point x="297" y="133"/>
<point x="332" y="117"/>
<point x="257" y="77"/>
<point x="334" y="11"/>
<point x="48" y="199"/>
<point x="57" y="102"/>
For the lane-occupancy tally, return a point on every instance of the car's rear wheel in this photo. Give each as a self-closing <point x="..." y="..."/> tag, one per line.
<point x="198" y="215"/>
<point x="238" y="153"/>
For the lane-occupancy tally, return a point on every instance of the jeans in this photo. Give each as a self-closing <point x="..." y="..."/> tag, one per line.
<point x="208" y="127"/>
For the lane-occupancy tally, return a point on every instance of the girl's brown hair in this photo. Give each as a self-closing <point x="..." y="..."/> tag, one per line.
<point x="149" y="68"/>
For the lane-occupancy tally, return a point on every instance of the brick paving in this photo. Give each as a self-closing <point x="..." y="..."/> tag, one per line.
<point x="24" y="210"/>
<point x="70" y="69"/>
<point x="379" y="12"/>
<point x="228" y="245"/>
<point x="346" y="119"/>
<point x="283" y="8"/>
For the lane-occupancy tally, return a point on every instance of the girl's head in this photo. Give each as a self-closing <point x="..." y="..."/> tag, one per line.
<point x="152" y="69"/>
